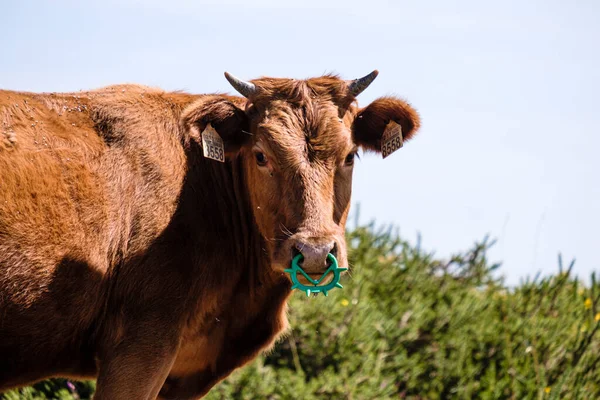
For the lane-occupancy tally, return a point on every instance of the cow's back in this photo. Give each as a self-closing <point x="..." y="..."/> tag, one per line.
<point x="85" y="180"/>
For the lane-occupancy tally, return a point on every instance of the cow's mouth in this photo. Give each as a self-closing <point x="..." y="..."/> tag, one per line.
<point x="315" y="277"/>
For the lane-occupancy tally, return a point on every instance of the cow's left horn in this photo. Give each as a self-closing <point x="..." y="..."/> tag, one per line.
<point x="246" y="89"/>
<point x="357" y="86"/>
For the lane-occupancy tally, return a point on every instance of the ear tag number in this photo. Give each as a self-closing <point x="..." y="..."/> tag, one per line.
<point x="212" y="144"/>
<point x="391" y="139"/>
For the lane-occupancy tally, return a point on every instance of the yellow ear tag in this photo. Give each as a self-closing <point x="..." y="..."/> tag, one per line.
<point x="212" y="144"/>
<point x="391" y="139"/>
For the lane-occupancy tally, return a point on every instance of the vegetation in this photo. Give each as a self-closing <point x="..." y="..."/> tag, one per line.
<point x="407" y="325"/>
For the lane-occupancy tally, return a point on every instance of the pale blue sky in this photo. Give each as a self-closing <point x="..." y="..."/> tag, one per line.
<point x="508" y="93"/>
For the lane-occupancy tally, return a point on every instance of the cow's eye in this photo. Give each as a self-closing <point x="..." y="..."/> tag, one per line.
<point x="261" y="159"/>
<point x="350" y="159"/>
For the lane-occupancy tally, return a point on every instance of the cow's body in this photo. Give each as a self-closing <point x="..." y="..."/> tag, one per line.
<point x="98" y="200"/>
<point x="124" y="253"/>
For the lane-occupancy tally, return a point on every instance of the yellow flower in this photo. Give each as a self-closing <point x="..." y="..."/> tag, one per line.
<point x="597" y="317"/>
<point x="344" y="303"/>
<point x="547" y="389"/>
<point x="588" y="303"/>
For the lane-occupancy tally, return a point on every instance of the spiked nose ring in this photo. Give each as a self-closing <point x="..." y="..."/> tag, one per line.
<point x="316" y="287"/>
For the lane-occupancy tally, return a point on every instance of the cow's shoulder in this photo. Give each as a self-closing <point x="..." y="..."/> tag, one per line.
<point x="129" y="114"/>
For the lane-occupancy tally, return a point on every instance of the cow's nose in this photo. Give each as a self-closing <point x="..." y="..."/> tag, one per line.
<point x="315" y="255"/>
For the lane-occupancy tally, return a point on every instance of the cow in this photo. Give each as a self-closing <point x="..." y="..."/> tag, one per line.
<point x="130" y="254"/>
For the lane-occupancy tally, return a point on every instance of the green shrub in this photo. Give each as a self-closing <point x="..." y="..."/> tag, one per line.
<point x="407" y="325"/>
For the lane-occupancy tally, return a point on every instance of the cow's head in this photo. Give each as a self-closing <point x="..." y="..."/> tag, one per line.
<point x="297" y="140"/>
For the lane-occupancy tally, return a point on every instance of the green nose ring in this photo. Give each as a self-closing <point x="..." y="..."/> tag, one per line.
<point x="316" y="288"/>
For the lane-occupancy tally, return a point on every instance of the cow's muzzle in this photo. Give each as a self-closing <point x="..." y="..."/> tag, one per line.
<point x="314" y="259"/>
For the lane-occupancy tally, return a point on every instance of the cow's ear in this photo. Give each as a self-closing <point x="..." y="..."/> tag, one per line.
<point x="371" y="122"/>
<point x="224" y="114"/>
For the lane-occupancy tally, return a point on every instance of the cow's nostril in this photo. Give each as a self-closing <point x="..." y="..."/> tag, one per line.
<point x="295" y="252"/>
<point x="333" y="251"/>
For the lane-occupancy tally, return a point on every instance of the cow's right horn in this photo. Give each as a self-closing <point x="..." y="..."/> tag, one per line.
<point x="246" y="89"/>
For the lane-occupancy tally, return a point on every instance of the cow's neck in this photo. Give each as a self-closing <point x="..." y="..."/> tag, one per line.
<point x="237" y="259"/>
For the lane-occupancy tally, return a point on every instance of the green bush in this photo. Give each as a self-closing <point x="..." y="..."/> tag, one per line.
<point x="407" y="325"/>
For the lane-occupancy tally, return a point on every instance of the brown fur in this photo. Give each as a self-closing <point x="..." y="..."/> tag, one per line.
<point x="127" y="256"/>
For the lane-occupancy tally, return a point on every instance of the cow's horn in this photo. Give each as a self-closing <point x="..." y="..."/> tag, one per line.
<point x="358" y="85"/>
<point x="246" y="89"/>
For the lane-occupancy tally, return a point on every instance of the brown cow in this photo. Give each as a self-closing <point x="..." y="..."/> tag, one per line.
<point x="127" y="255"/>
